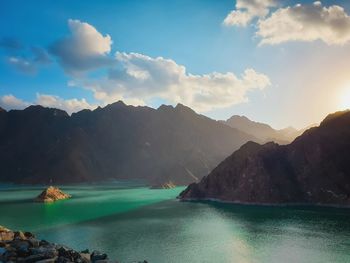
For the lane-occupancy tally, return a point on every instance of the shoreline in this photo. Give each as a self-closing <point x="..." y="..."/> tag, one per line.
<point x="219" y="201"/>
<point x="18" y="246"/>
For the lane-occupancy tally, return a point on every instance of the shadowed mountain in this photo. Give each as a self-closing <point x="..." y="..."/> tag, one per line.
<point x="263" y="131"/>
<point x="313" y="169"/>
<point x="44" y="145"/>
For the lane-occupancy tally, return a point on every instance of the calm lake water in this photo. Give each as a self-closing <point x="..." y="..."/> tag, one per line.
<point x="136" y="223"/>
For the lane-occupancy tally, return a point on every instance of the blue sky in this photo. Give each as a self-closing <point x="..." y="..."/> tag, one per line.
<point x="293" y="80"/>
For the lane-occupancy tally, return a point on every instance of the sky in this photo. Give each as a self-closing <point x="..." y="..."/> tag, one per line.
<point x="285" y="63"/>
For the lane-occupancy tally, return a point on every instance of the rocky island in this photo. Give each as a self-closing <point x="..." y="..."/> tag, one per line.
<point x="313" y="169"/>
<point x="52" y="194"/>
<point x="167" y="185"/>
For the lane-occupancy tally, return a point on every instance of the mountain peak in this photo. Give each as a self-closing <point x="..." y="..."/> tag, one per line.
<point x="335" y="116"/>
<point x="39" y="108"/>
<point x="238" y="117"/>
<point x="165" y="107"/>
<point x="117" y="104"/>
<point x="183" y="108"/>
<point x="2" y="110"/>
<point x="262" y="131"/>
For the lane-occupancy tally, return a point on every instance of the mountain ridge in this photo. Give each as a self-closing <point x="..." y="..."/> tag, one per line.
<point x="263" y="131"/>
<point x="41" y="145"/>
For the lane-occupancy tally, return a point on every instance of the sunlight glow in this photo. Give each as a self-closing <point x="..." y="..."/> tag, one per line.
<point x="345" y="98"/>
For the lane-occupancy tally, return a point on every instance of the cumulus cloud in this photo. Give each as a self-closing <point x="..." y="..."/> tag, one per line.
<point x="140" y="78"/>
<point x="70" y="105"/>
<point x="247" y="10"/>
<point x="306" y="22"/>
<point x="83" y="50"/>
<point x="11" y="102"/>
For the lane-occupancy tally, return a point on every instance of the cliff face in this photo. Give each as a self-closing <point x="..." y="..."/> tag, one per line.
<point x="42" y="146"/>
<point x="314" y="168"/>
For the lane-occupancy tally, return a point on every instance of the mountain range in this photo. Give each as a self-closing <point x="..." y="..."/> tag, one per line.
<point x="313" y="169"/>
<point x="41" y="145"/>
<point x="262" y="131"/>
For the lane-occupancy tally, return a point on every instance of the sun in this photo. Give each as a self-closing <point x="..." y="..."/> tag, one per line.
<point x="345" y="99"/>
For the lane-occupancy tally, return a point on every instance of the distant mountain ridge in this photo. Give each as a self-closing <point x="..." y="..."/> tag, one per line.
<point x="262" y="131"/>
<point x="43" y="145"/>
<point x="313" y="169"/>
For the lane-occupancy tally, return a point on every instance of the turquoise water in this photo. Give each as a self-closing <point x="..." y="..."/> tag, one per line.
<point x="136" y="223"/>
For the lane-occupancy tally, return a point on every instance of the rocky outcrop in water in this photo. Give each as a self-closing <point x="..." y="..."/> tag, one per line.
<point x="167" y="185"/>
<point x="52" y="194"/>
<point x="313" y="169"/>
<point x="17" y="246"/>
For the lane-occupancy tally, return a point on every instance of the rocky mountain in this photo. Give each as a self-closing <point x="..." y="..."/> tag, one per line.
<point x="43" y="145"/>
<point x="262" y="131"/>
<point x="313" y="169"/>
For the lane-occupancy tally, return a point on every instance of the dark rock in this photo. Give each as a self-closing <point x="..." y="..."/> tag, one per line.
<point x="70" y="254"/>
<point x="96" y="255"/>
<point x="19" y="235"/>
<point x="313" y="169"/>
<point x="44" y="243"/>
<point x="2" y="250"/>
<point x="29" y="235"/>
<point x="49" y="260"/>
<point x="34" y="242"/>
<point x="34" y="258"/>
<point x="22" y="247"/>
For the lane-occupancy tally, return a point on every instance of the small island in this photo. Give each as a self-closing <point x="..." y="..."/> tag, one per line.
<point x="52" y="194"/>
<point x="167" y="185"/>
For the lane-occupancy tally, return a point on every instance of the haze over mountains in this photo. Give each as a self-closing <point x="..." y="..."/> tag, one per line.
<point x="313" y="169"/>
<point x="262" y="131"/>
<point x="43" y="145"/>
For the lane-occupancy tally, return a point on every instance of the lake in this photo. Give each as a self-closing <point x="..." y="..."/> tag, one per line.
<point x="130" y="222"/>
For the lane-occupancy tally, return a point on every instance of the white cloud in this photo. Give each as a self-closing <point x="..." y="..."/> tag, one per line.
<point x="70" y="105"/>
<point x="247" y="10"/>
<point x="84" y="49"/>
<point x="140" y="78"/>
<point x="11" y="102"/>
<point x="306" y="22"/>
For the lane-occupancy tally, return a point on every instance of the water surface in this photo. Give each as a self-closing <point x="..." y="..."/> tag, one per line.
<point x="136" y="223"/>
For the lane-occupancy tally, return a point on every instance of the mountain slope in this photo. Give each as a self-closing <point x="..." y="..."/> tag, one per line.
<point x="263" y="131"/>
<point x="313" y="169"/>
<point x="42" y="145"/>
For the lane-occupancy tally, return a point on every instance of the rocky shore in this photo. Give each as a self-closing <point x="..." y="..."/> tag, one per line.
<point x="17" y="246"/>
